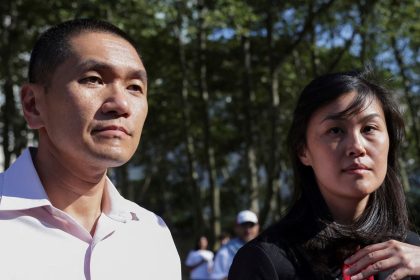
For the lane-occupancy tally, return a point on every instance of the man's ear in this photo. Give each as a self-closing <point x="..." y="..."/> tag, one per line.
<point x="304" y="156"/>
<point x="31" y="95"/>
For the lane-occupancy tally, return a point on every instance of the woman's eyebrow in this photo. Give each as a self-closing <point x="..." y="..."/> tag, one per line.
<point x="339" y="117"/>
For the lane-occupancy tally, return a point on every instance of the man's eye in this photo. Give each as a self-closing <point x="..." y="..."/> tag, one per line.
<point x="91" y="80"/>
<point x="136" y="88"/>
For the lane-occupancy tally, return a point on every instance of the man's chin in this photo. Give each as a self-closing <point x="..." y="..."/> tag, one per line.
<point x="112" y="158"/>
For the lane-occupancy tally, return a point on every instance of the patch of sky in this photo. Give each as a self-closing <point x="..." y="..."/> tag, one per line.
<point x="356" y="47"/>
<point x="219" y="106"/>
<point x="160" y="15"/>
<point x="386" y="60"/>
<point x="222" y="34"/>
<point x="175" y="155"/>
<point x="287" y="20"/>
<point x="233" y="160"/>
<point x="289" y="15"/>
<point x="338" y="38"/>
<point x="407" y="53"/>
<point x="262" y="174"/>
<point x="204" y="182"/>
<point x="7" y="20"/>
<point x="259" y="33"/>
<point x="135" y="173"/>
<point x="24" y="56"/>
<point x="185" y="36"/>
<point x="285" y="181"/>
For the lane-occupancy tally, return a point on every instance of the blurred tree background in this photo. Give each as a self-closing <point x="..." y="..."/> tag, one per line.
<point x="224" y="76"/>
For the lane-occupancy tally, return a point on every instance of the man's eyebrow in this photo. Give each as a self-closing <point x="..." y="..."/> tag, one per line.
<point x="92" y="64"/>
<point x="139" y="74"/>
<point x="340" y="117"/>
<point x="95" y="65"/>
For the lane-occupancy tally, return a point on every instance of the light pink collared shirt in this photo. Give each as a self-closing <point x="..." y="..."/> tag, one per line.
<point x="39" y="241"/>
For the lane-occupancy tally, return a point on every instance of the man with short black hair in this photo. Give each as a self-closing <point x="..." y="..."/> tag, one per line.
<point x="60" y="215"/>
<point x="246" y="229"/>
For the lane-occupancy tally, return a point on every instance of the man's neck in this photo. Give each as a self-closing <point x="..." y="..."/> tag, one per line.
<point x="72" y="189"/>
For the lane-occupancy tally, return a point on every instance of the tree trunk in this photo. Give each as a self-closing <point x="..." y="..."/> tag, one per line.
<point x="362" y="33"/>
<point x="122" y="179"/>
<point x="249" y="99"/>
<point x="273" y="182"/>
<point x="209" y="150"/>
<point x="8" y="115"/>
<point x="188" y="138"/>
<point x="13" y="136"/>
<point x="313" y="47"/>
<point x="276" y="57"/>
<point x="9" y="107"/>
<point x="412" y="110"/>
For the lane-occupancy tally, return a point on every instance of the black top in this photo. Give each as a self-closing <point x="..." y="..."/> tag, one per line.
<point x="268" y="258"/>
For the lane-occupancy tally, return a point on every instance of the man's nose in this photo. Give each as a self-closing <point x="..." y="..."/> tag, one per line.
<point x="355" y="145"/>
<point x="116" y="101"/>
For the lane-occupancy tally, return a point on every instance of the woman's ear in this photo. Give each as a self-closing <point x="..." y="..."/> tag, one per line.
<point x="304" y="156"/>
<point x="31" y="95"/>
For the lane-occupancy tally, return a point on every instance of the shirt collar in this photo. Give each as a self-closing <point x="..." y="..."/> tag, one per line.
<point x="115" y="206"/>
<point x="21" y="188"/>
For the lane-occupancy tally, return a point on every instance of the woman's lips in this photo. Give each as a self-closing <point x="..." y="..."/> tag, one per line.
<point x="356" y="169"/>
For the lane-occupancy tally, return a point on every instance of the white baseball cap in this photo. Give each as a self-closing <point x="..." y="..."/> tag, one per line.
<point x="246" y="216"/>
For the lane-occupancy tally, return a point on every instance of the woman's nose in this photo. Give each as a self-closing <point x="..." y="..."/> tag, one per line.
<point x="355" y="145"/>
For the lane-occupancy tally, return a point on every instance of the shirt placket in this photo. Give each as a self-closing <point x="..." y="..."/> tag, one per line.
<point x="104" y="229"/>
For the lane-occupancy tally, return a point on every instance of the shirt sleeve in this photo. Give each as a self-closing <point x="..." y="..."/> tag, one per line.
<point x="169" y="258"/>
<point x="191" y="259"/>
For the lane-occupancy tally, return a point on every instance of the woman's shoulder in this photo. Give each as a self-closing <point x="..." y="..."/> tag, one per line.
<point x="263" y="258"/>
<point x="412" y="238"/>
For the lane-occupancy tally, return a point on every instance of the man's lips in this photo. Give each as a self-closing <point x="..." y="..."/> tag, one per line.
<point x="111" y="129"/>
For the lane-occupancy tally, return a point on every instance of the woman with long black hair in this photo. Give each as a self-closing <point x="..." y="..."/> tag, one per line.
<point x="349" y="217"/>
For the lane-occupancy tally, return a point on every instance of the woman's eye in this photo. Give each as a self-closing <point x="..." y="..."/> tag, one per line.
<point x="91" y="80"/>
<point x="369" y="128"/>
<point x="335" y="130"/>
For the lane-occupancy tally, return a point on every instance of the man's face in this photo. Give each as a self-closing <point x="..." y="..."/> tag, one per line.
<point x="95" y="106"/>
<point x="247" y="231"/>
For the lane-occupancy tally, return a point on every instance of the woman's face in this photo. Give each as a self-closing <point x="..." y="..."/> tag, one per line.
<point x="347" y="154"/>
<point x="203" y="243"/>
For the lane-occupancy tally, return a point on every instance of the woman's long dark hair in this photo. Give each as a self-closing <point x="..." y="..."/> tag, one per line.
<point x="325" y="243"/>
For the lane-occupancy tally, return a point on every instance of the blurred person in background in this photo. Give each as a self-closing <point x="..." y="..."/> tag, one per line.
<point x="246" y="229"/>
<point x="224" y="238"/>
<point x="200" y="260"/>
